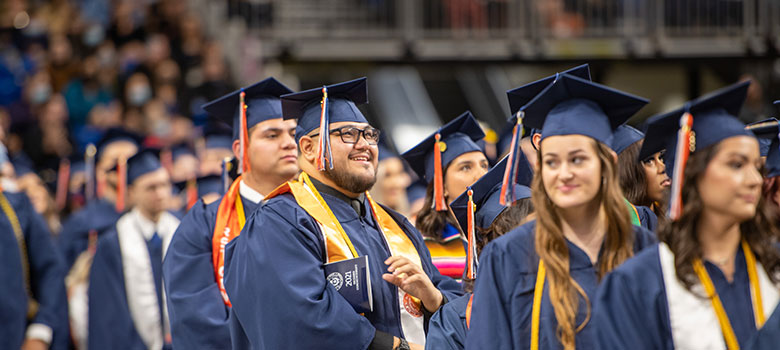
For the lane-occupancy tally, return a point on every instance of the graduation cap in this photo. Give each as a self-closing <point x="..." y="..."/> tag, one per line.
<point x="218" y="135"/>
<point x="247" y="107"/>
<point x="116" y="135"/>
<point x="480" y="204"/>
<point x="575" y="106"/>
<point x="767" y="132"/>
<point x="180" y="150"/>
<point x="700" y="123"/>
<point x="625" y="136"/>
<point x="431" y="156"/>
<point x="200" y="187"/>
<point x="385" y="150"/>
<point x="519" y="98"/>
<point x="317" y="108"/>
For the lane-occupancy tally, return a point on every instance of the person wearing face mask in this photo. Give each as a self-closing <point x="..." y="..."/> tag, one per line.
<point x="198" y="304"/>
<point x="275" y="270"/>
<point x="643" y="182"/>
<point x="137" y="90"/>
<point x="449" y="160"/>
<point x="712" y="281"/>
<point x="536" y="283"/>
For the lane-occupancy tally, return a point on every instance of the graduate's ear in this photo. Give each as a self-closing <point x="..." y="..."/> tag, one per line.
<point x="236" y="149"/>
<point x="308" y="149"/>
<point x="535" y="140"/>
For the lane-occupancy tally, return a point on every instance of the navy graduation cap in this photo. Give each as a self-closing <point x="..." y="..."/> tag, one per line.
<point x="218" y="135"/>
<point x="116" y="135"/>
<point x="700" y="123"/>
<point x="195" y="189"/>
<point x="262" y="101"/>
<point x="385" y="150"/>
<point x="432" y="155"/>
<point x="625" y="136"/>
<point x="317" y="108"/>
<point x="145" y="161"/>
<point x="483" y="198"/>
<point x="181" y="149"/>
<point x="767" y="132"/>
<point x="575" y="106"/>
<point x="518" y="100"/>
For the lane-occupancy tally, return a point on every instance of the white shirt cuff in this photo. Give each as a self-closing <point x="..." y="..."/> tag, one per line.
<point x="40" y="332"/>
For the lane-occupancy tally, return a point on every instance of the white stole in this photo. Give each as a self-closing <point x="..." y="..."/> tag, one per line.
<point x="693" y="321"/>
<point x="139" y="278"/>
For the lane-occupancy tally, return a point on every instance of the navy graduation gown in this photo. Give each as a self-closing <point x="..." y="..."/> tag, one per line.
<point x="647" y="218"/>
<point x="47" y="278"/>
<point x="504" y="292"/>
<point x="274" y="277"/>
<point x="110" y="323"/>
<point x="198" y="316"/>
<point x="99" y="215"/>
<point x="632" y="310"/>
<point x="447" y="328"/>
<point x="768" y="337"/>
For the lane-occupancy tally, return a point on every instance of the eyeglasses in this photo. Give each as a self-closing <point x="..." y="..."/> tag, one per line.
<point x="351" y="134"/>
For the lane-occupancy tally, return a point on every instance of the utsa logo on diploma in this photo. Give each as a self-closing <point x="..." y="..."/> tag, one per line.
<point x="336" y="280"/>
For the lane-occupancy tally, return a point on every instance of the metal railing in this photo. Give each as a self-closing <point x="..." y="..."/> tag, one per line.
<point x="546" y="28"/>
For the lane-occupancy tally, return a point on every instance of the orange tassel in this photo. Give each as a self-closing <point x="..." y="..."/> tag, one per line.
<point x="471" y="268"/>
<point x="684" y="147"/>
<point x="324" y="156"/>
<point x="243" y="135"/>
<point x="438" y="177"/>
<point x="192" y="193"/>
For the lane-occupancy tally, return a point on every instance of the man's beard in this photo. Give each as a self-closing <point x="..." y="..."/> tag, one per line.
<point x="350" y="182"/>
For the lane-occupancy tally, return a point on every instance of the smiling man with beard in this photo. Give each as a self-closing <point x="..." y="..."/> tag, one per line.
<point x="274" y="271"/>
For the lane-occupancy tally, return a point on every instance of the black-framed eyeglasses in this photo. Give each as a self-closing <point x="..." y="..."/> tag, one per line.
<point x="351" y="134"/>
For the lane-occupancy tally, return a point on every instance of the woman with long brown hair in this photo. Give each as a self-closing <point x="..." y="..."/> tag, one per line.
<point x="449" y="160"/>
<point x="535" y="282"/>
<point x="644" y="182"/>
<point x="712" y="281"/>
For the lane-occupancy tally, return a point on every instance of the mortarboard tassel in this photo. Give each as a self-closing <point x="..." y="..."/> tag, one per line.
<point x="243" y="139"/>
<point x="471" y="267"/>
<point x="192" y="193"/>
<point x="63" y="177"/>
<point x="685" y="145"/>
<point x="438" y="176"/>
<point x="89" y="169"/>
<point x="507" y="194"/>
<point x="121" y="184"/>
<point x="323" y="150"/>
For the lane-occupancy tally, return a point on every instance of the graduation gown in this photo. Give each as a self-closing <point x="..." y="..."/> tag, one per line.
<point x="199" y="316"/>
<point x="275" y="280"/>
<point x="112" y="322"/>
<point x="99" y="215"/>
<point x="647" y="218"/>
<point x="632" y="308"/>
<point x="47" y="278"/>
<point x="504" y="293"/>
<point x="768" y="337"/>
<point x="447" y="329"/>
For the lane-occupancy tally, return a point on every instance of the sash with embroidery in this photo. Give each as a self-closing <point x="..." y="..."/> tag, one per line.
<point x="230" y="221"/>
<point x="339" y="247"/>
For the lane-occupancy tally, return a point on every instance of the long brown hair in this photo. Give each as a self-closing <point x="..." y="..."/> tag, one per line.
<point x="552" y="249"/>
<point x="430" y="222"/>
<point x="680" y="235"/>
<point x="633" y="180"/>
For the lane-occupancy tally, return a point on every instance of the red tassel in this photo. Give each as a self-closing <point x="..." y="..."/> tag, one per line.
<point x="509" y="174"/>
<point x="63" y="177"/>
<point x="121" y="184"/>
<point x="192" y="193"/>
<point x="471" y="268"/>
<point x="684" y="147"/>
<point x="243" y="138"/>
<point x="166" y="159"/>
<point x="438" y="177"/>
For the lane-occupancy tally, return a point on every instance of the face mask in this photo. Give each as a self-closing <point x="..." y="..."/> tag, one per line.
<point x="93" y="36"/>
<point x="139" y="95"/>
<point x="40" y="94"/>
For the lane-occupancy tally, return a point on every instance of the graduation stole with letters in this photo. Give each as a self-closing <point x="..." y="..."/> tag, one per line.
<point x="339" y="247"/>
<point x="230" y="221"/>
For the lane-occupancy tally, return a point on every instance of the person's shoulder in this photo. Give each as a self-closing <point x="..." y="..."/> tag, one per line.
<point x="643" y="238"/>
<point x="640" y="265"/>
<point x="516" y="247"/>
